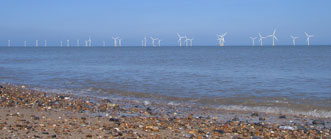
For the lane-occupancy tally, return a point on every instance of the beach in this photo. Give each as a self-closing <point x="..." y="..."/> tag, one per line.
<point x="27" y="113"/>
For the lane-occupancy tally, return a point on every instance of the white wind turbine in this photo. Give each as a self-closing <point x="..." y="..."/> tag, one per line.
<point x="115" y="41"/>
<point x="261" y="39"/>
<point x="144" y="42"/>
<point x="153" y="41"/>
<point x="253" y="40"/>
<point x="86" y="43"/>
<point x="89" y="41"/>
<point x="24" y="43"/>
<point x="180" y="39"/>
<point x="159" y="41"/>
<point x="186" y="40"/>
<point x="308" y="38"/>
<point x="45" y="43"/>
<point x="190" y="41"/>
<point x="120" y="42"/>
<point x="273" y="36"/>
<point x="68" y="43"/>
<point x="77" y="43"/>
<point x="8" y="43"/>
<point x="221" y="38"/>
<point x="293" y="39"/>
<point x="61" y="43"/>
<point x="36" y="43"/>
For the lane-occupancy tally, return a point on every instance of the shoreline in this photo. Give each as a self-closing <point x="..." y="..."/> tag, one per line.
<point x="29" y="113"/>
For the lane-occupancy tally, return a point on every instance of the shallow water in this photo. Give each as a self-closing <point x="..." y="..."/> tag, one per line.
<point x="283" y="78"/>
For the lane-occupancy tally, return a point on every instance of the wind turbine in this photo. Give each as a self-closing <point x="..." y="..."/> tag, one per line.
<point x="180" y="39"/>
<point x="36" y="43"/>
<point x="24" y="43"/>
<point x="61" y="43"/>
<point x="77" y="43"/>
<point x="190" y="40"/>
<point x="308" y="38"/>
<point x="68" y="43"/>
<point x="159" y="41"/>
<point x="221" y="39"/>
<point x="89" y="41"/>
<point x="273" y="36"/>
<point x="186" y="40"/>
<point x="120" y="42"/>
<point x="86" y="43"/>
<point x="8" y="43"/>
<point x="153" y="41"/>
<point x="293" y="39"/>
<point x="253" y="40"/>
<point x="45" y="43"/>
<point x="261" y="39"/>
<point x="115" y="41"/>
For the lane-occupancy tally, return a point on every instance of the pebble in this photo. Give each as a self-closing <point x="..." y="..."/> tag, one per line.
<point x="318" y="122"/>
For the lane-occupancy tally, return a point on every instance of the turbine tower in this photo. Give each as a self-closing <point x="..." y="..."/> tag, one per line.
<point x="89" y="41"/>
<point x="45" y="43"/>
<point x="180" y="39"/>
<point x="24" y="43"/>
<point x="68" y="43"/>
<point x="186" y="41"/>
<point x="293" y="39"/>
<point x="253" y="40"/>
<point x="153" y="41"/>
<point x="8" y="43"/>
<point x="273" y="36"/>
<point x="261" y="39"/>
<point x="120" y="42"/>
<point x="115" y="41"/>
<point x="86" y="43"/>
<point x="61" y="43"/>
<point x="308" y="38"/>
<point x="36" y="43"/>
<point x="159" y="41"/>
<point x="77" y="43"/>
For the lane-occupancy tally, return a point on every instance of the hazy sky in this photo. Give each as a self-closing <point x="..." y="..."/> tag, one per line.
<point x="56" y="20"/>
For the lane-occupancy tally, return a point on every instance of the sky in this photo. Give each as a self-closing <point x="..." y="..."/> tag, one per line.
<point x="132" y="20"/>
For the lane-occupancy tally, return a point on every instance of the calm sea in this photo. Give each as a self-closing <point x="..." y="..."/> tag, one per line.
<point x="276" y="79"/>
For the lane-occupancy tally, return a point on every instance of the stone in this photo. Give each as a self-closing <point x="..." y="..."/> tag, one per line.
<point x="282" y="117"/>
<point x="318" y="122"/>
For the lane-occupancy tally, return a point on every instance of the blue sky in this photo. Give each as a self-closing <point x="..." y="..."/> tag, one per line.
<point x="133" y="19"/>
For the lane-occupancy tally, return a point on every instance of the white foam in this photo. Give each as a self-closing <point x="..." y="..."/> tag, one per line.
<point x="277" y="110"/>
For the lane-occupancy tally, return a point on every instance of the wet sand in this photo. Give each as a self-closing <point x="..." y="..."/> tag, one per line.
<point x="27" y="113"/>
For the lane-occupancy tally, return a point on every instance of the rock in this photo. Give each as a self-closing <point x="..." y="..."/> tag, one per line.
<point x="282" y="117"/>
<point x="188" y="135"/>
<point x="36" y="118"/>
<point x="286" y="127"/>
<point x="235" y="119"/>
<point x="262" y="119"/>
<point x="256" y="137"/>
<point x="254" y="114"/>
<point x="318" y="122"/>
<point x="114" y="120"/>
<point x="219" y="131"/>
<point x="53" y="136"/>
<point x="46" y="133"/>
<point x="89" y="136"/>
<point x="153" y="128"/>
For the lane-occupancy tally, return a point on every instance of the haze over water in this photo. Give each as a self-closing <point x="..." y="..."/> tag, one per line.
<point x="259" y="78"/>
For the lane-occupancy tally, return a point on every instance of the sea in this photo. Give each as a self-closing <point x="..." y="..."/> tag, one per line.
<point x="281" y="79"/>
